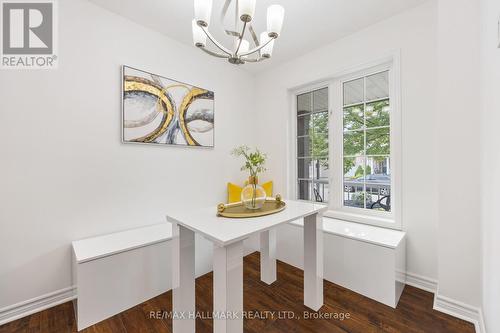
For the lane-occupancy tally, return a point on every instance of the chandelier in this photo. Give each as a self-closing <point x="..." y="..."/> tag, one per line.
<point x="240" y="52"/>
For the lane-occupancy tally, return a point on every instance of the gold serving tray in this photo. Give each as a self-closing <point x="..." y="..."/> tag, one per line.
<point x="237" y="210"/>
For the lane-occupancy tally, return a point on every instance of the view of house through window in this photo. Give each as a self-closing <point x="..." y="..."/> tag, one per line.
<point x="312" y="146"/>
<point x="366" y="142"/>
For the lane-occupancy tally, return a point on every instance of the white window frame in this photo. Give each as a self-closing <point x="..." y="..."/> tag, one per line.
<point x="391" y="219"/>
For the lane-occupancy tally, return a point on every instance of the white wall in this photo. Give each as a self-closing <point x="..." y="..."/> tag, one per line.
<point x="414" y="33"/>
<point x="458" y="158"/>
<point x="490" y="162"/>
<point x="65" y="175"/>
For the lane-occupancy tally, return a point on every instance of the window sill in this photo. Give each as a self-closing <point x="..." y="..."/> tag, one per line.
<point x="361" y="232"/>
<point x="378" y="221"/>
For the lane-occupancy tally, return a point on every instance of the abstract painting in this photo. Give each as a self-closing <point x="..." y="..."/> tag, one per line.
<point x="157" y="110"/>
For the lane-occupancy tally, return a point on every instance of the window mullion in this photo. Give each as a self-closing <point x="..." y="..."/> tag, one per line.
<point x="364" y="142"/>
<point x="311" y="176"/>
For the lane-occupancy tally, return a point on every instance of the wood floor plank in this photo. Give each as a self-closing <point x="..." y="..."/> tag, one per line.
<point x="136" y="320"/>
<point x="17" y="326"/>
<point x="283" y="298"/>
<point x="113" y="324"/>
<point x="155" y="310"/>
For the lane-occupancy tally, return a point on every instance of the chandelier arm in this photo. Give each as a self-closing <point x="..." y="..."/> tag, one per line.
<point x="215" y="54"/>
<point x="258" y="48"/>
<point x="254" y="35"/>
<point x="216" y="43"/>
<point x="223" y="16"/>
<point x="240" y="39"/>
<point x="255" y="60"/>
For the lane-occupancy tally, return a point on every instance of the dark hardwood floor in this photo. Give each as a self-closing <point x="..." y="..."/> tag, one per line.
<point x="413" y="314"/>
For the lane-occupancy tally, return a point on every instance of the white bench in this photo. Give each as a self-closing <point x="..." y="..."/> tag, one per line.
<point x="115" y="272"/>
<point x="366" y="259"/>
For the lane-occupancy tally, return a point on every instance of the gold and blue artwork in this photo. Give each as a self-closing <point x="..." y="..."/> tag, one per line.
<point x="158" y="110"/>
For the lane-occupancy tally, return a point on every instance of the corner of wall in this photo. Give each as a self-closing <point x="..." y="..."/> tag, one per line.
<point x="460" y="310"/>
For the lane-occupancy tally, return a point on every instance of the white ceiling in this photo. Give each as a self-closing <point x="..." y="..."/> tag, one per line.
<point x="308" y="24"/>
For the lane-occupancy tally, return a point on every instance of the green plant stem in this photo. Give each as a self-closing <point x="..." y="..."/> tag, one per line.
<point x="254" y="194"/>
<point x="252" y="172"/>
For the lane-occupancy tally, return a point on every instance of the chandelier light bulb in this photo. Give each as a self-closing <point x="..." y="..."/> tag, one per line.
<point x="199" y="37"/>
<point x="267" y="50"/>
<point x="275" y="16"/>
<point x="202" y="12"/>
<point x="246" y="10"/>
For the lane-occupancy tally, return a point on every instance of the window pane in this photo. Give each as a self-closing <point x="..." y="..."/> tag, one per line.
<point x="319" y="143"/>
<point x="355" y="199"/>
<point x="378" y="183"/>
<point x="378" y="197"/>
<point x="321" y="191"/>
<point x="312" y="146"/>
<point x="353" y="181"/>
<point x="378" y="168"/>
<point x="354" y="92"/>
<point x="320" y="122"/>
<point x="320" y="169"/>
<point x="378" y="141"/>
<point x="320" y="100"/>
<point x="377" y="114"/>
<point x="304" y="168"/>
<point x="304" y="190"/>
<point x="354" y="143"/>
<point x="353" y="117"/>
<point x="303" y="125"/>
<point x="303" y="147"/>
<point x="354" y="170"/>
<point x="377" y="86"/>
<point x="304" y="103"/>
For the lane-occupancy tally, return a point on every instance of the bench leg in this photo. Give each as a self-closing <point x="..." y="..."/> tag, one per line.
<point x="313" y="261"/>
<point x="268" y="256"/>
<point x="183" y="279"/>
<point x="228" y="288"/>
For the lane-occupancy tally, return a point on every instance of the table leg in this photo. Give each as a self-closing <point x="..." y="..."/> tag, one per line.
<point x="183" y="279"/>
<point x="228" y="288"/>
<point x="268" y="256"/>
<point x="313" y="261"/>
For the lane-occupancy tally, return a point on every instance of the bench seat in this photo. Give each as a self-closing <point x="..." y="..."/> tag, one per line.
<point x="115" y="272"/>
<point x="367" y="259"/>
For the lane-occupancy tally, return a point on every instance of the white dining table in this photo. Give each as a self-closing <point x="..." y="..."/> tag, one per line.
<point x="227" y="235"/>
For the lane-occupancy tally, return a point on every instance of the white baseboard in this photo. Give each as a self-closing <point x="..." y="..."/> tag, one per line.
<point x="421" y="282"/>
<point x="460" y="310"/>
<point x="23" y="309"/>
<point x="446" y="305"/>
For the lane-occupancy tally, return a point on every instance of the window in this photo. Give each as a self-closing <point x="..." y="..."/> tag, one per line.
<point x="348" y="139"/>
<point x="366" y="142"/>
<point x="312" y="146"/>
